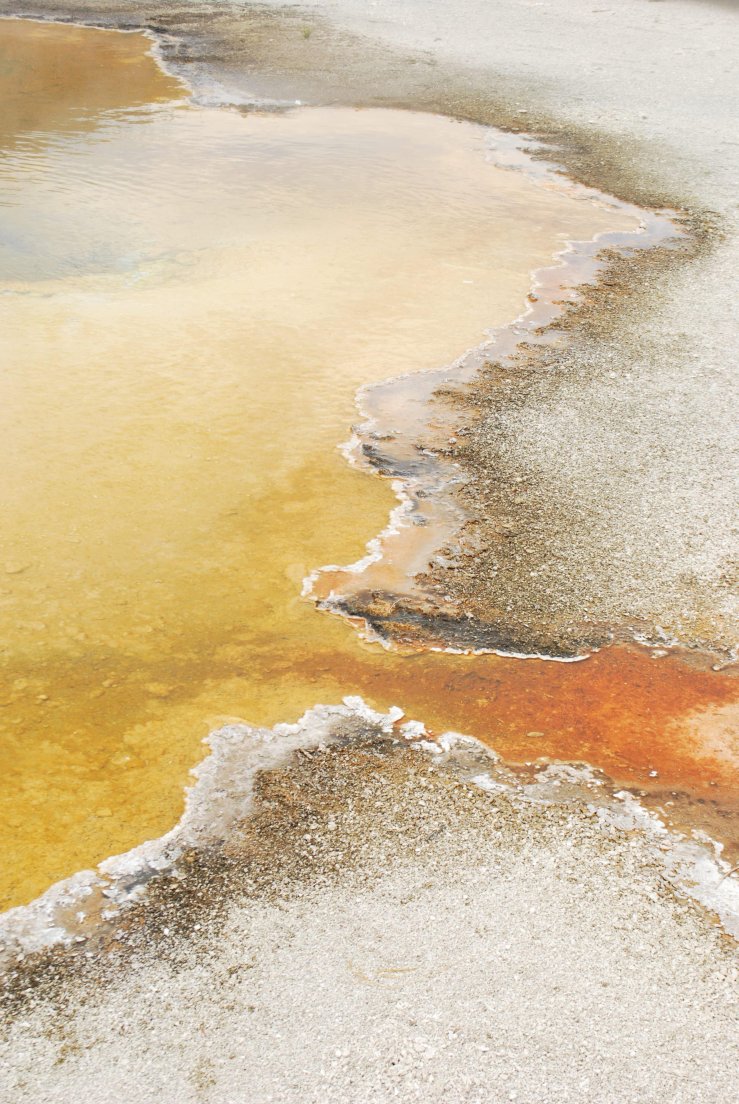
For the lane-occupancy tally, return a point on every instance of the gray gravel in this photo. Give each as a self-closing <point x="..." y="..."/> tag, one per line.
<point x="659" y="70"/>
<point x="602" y="479"/>
<point x="385" y="930"/>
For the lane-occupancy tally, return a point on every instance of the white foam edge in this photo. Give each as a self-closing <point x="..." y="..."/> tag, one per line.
<point x="572" y="247"/>
<point x="400" y="515"/>
<point x="692" y="865"/>
<point x="34" y="927"/>
<point x="373" y="548"/>
<point x="221" y="796"/>
<point x="351" y="449"/>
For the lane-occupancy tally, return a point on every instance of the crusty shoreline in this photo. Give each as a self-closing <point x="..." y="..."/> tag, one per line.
<point x="558" y="558"/>
<point x="377" y="894"/>
<point x="527" y="574"/>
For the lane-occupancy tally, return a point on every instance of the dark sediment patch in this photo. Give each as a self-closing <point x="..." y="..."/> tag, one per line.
<point x="415" y="621"/>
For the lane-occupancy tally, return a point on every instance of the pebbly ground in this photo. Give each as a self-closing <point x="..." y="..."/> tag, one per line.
<point x="380" y="928"/>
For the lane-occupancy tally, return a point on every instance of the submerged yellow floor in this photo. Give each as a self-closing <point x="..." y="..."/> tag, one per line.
<point x="189" y="299"/>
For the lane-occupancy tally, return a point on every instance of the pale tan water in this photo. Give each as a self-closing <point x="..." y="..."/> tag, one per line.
<point x="190" y="299"/>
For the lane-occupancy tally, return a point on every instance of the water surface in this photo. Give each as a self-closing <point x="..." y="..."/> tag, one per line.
<point x="190" y="299"/>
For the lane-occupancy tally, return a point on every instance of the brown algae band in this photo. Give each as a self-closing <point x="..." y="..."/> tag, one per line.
<point x="191" y="298"/>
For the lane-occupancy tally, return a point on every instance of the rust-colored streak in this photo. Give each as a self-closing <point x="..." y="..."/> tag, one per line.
<point x="621" y="710"/>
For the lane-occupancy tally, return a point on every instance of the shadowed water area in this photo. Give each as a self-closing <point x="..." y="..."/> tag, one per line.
<point x="190" y="299"/>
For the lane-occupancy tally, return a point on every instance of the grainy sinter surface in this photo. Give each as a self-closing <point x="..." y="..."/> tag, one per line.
<point x="381" y="929"/>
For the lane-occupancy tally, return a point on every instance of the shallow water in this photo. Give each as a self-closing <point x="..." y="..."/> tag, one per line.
<point x="190" y="299"/>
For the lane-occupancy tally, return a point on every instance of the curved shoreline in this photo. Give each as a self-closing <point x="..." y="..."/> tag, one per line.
<point x="88" y="908"/>
<point x="353" y="907"/>
<point x="414" y="455"/>
<point x="422" y="617"/>
<point x="518" y="331"/>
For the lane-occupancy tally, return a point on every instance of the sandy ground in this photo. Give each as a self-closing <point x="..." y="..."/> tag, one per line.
<point x="380" y="927"/>
<point x="602" y="477"/>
